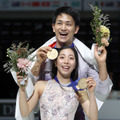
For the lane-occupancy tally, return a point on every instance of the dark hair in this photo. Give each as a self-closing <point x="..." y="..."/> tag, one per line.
<point x="74" y="74"/>
<point x="67" y="10"/>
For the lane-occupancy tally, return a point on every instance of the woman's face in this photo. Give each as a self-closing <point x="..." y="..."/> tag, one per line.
<point x="65" y="62"/>
<point x="65" y="29"/>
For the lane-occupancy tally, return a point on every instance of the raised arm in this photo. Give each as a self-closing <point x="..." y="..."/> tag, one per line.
<point x="89" y="103"/>
<point x="101" y="60"/>
<point x="26" y="106"/>
<point x="41" y="56"/>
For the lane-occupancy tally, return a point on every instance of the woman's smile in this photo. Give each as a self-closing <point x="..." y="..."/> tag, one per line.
<point x="66" y="68"/>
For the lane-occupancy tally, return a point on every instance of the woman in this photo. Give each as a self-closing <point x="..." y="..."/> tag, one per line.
<point x="58" y="102"/>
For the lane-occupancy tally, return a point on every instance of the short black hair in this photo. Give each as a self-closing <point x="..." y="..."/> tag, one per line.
<point x="74" y="74"/>
<point x="67" y="10"/>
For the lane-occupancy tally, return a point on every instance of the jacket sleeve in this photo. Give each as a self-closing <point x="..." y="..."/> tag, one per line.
<point x="103" y="88"/>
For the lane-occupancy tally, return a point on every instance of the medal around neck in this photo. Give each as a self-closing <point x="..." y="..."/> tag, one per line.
<point x="52" y="54"/>
<point x="82" y="83"/>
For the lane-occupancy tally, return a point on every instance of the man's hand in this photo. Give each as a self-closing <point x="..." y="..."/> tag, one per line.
<point x="41" y="56"/>
<point x="101" y="58"/>
<point x="42" y="53"/>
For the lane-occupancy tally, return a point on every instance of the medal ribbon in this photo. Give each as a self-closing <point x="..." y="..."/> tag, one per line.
<point x="53" y="45"/>
<point x="70" y="45"/>
<point x="72" y="84"/>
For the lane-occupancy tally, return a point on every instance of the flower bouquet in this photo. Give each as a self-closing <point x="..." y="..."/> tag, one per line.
<point x="100" y="27"/>
<point x="19" y="60"/>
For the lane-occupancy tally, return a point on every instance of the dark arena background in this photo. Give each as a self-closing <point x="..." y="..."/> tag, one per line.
<point x="30" y="20"/>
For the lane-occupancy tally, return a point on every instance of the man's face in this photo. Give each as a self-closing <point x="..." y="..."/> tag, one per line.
<point x="64" y="28"/>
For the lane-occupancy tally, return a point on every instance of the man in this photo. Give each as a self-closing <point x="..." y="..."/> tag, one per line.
<point x="65" y="25"/>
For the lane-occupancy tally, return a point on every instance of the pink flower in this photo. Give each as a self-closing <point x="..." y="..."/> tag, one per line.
<point x="23" y="63"/>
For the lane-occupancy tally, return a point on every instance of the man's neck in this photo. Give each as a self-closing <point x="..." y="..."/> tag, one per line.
<point x="59" y="44"/>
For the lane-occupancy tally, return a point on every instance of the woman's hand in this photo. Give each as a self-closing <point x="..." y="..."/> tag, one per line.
<point x="91" y="84"/>
<point x="19" y="79"/>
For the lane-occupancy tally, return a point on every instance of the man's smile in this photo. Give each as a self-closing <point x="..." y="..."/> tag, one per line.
<point x="63" y="34"/>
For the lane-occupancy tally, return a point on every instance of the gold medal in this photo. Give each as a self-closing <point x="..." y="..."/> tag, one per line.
<point x="82" y="83"/>
<point x="52" y="54"/>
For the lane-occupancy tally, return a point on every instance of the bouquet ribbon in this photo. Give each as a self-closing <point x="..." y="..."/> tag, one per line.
<point x="72" y="84"/>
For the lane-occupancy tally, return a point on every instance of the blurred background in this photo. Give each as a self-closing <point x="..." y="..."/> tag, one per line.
<point x="30" y="20"/>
